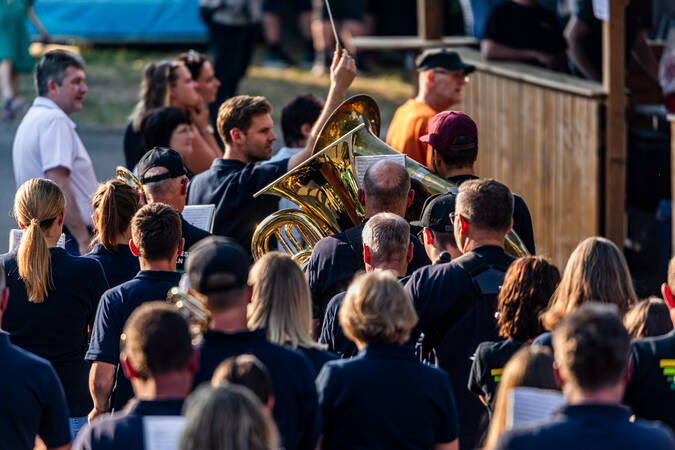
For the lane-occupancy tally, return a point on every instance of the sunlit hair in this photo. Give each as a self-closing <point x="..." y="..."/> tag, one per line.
<point x="155" y="92"/>
<point x="114" y="205"/>
<point x="597" y="271"/>
<point x="281" y="303"/>
<point x="245" y="370"/>
<point x="227" y="417"/>
<point x="387" y="236"/>
<point x="37" y="204"/>
<point x="528" y="367"/>
<point x="647" y="318"/>
<point x="238" y="112"/>
<point x="528" y="285"/>
<point x="377" y="309"/>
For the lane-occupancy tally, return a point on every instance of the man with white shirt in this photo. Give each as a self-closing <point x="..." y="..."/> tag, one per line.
<point x="46" y="144"/>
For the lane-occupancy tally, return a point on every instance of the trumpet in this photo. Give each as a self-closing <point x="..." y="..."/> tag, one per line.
<point x="127" y="176"/>
<point x="195" y="312"/>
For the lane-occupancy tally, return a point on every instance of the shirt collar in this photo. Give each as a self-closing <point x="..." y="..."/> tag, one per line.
<point x="44" y="102"/>
<point x="242" y="336"/>
<point x="158" y="275"/>
<point x="221" y="163"/>
<point x="590" y="410"/>
<point x="388" y="351"/>
<point x="171" y="407"/>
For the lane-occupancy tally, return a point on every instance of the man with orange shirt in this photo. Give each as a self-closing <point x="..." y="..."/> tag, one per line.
<point x="442" y="75"/>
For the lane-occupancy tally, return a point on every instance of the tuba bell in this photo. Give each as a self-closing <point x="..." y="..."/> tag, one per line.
<point x="195" y="312"/>
<point x="325" y="186"/>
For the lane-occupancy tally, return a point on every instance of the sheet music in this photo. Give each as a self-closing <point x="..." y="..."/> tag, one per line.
<point x="162" y="432"/>
<point x="363" y="162"/>
<point x="528" y="405"/>
<point x="200" y="216"/>
<point x="15" y="239"/>
<point x="601" y="9"/>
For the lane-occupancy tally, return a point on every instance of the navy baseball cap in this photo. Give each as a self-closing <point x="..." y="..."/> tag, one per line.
<point x="436" y="213"/>
<point x="217" y="264"/>
<point x="444" y="58"/>
<point x="161" y="157"/>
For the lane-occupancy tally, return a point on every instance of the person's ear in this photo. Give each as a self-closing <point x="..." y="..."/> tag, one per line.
<point x="438" y="161"/>
<point x="429" y="77"/>
<point x="428" y="236"/>
<point x="193" y="363"/>
<point x="361" y="194"/>
<point x="667" y="295"/>
<point x="132" y="247"/>
<point x="411" y="249"/>
<point x="411" y="197"/>
<point x="127" y="368"/>
<point x="52" y="85"/>
<point x="62" y="217"/>
<point x="249" y="293"/>
<point x="463" y="224"/>
<point x="510" y="226"/>
<point x="183" y="186"/>
<point x="305" y="130"/>
<point x="366" y="254"/>
<point x="18" y="222"/>
<point x="270" y="404"/>
<point x="181" y="245"/>
<point x="559" y="379"/>
<point x="629" y="371"/>
<point x="237" y="135"/>
<point x="4" y="299"/>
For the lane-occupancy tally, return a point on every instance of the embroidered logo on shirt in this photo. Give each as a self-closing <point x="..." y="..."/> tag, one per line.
<point x="668" y="366"/>
<point x="497" y="374"/>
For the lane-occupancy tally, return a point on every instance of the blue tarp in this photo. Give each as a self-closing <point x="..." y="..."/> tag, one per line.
<point x="138" y="20"/>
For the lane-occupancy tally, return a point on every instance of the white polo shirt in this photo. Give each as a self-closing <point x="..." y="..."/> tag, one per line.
<point x="46" y="139"/>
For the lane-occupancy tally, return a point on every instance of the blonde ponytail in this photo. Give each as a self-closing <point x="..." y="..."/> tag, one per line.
<point x="38" y="202"/>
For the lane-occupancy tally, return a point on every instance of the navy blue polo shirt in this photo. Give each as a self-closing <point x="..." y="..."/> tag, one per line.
<point x="651" y="390"/>
<point x="385" y="398"/>
<point x="33" y="401"/>
<point x="57" y="328"/>
<point x="115" y="307"/>
<point x="333" y="264"/>
<point x="230" y="184"/>
<point x="438" y="290"/>
<point x="522" y="220"/>
<point x="192" y="235"/>
<point x="317" y="357"/>
<point x="295" y="403"/>
<point x="487" y="367"/>
<point x="331" y="330"/>
<point x="124" y="429"/>
<point x="590" y="426"/>
<point x="119" y="267"/>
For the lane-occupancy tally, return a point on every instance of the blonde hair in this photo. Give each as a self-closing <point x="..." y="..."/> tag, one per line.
<point x="529" y="366"/>
<point x="281" y="302"/>
<point x="595" y="271"/>
<point x="155" y="92"/>
<point x="37" y="203"/>
<point x="227" y="417"/>
<point x="377" y="309"/>
<point x="114" y="205"/>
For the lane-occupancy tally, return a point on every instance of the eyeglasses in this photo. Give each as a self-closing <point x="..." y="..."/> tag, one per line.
<point x="454" y="216"/>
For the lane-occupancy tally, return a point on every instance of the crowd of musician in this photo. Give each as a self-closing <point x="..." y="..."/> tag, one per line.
<point x="399" y="332"/>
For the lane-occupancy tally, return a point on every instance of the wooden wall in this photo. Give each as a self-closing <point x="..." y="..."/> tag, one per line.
<point x="544" y="142"/>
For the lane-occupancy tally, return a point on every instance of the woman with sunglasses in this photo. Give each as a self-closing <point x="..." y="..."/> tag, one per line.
<point x="167" y="83"/>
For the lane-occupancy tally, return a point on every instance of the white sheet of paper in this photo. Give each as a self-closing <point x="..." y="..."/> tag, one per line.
<point x="601" y="9"/>
<point x="363" y="162"/>
<point x="15" y="239"/>
<point x="200" y="216"/>
<point x="162" y="432"/>
<point x="528" y="405"/>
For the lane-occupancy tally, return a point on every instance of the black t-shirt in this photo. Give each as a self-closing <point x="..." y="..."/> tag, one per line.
<point x="334" y="263"/>
<point x="57" y="328"/>
<point x="487" y="367"/>
<point x="651" y="390"/>
<point x="525" y="27"/>
<point x="589" y="426"/>
<point x="33" y="401"/>
<point x="295" y="403"/>
<point x="115" y="307"/>
<point x="384" y="398"/>
<point x="192" y="235"/>
<point x="133" y="147"/>
<point x="124" y="429"/>
<point x="230" y="184"/>
<point x="522" y="220"/>
<point x="439" y="290"/>
<point x="118" y="267"/>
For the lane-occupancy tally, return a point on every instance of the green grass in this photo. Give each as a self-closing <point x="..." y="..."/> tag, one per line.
<point x="114" y="76"/>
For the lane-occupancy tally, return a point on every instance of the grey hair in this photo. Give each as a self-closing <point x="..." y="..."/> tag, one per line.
<point x="158" y="188"/>
<point x="387" y="235"/>
<point x="53" y="66"/>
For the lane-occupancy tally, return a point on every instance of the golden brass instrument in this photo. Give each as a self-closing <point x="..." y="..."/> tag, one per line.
<point x="195" y="312"/>
<point x="325" y="186"/>
<point x="127" y="176"/>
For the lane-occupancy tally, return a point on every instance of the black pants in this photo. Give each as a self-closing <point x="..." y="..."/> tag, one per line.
<point x="232" y="48"/>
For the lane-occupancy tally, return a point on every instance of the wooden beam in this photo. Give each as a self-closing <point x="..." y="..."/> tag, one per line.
<point x="614" y="81"/>
<point x="671" y="118"/>
<point x="430" y="19"/>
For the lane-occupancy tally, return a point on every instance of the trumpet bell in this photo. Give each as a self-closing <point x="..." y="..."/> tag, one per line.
<point x="127" y="176"/>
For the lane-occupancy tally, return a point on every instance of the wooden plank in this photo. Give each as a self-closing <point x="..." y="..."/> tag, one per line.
<point x="408" y="42"/>
<point x="614" y="81"/>
<point x="671" y="118"/>
<point x="430" y="19"/>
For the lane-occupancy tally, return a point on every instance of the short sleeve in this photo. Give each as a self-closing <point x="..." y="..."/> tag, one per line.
<point x="105" y="337"/>
<point x="57" y="144"/>
<point x="476" y="381"/>
<point x="449" y="429"/>
<point x="54" y="426"/>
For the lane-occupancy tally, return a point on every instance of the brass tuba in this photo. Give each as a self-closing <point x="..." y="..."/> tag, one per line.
<point x="195" y="312"/>
<point x="127" y="176"/>
<point x="325" y="186"/>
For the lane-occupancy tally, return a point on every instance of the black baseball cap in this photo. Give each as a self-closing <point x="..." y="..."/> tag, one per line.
<point x="436" y="213"/>
<point x="217" y="255"/>
<point x="160" y="157"/>
<point x="442" y="57"/>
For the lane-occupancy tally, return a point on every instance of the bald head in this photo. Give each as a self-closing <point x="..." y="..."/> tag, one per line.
<point x="386" y="188"/>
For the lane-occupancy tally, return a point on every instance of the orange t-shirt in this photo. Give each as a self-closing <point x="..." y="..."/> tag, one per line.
<point x="408" y="125"/>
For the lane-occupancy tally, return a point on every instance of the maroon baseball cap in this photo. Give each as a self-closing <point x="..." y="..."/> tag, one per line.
<point x="446" y="127"/>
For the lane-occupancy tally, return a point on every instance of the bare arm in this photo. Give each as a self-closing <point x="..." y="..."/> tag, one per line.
<point x="575" y="34"/>
<point x="101" y="379"/>
<point x="204" y="142"/>
<point x="36" y="21"/>
<point x="201" y="157"/>
<point x="453" y="445"/>
<point x="61" y="176"/>
<point x="343" y="72"/>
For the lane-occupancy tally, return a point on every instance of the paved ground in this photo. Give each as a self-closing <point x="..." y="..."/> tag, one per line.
<point x="105" y="149"/>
